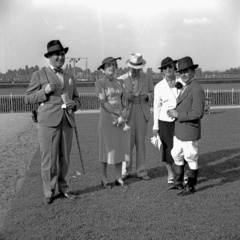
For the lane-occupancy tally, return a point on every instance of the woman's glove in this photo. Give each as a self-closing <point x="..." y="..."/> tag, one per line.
<point x="156" y="142"/>
<point x="120" y="121"/>
<point x="126" y="127"/>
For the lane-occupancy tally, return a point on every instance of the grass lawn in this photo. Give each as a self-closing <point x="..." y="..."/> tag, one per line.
<point x="145" y="211"/>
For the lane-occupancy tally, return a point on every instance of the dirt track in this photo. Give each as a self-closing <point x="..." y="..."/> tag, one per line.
<point x="18" y="143"/>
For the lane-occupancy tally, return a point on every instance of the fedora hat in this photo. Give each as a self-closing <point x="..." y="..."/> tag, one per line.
<point x="185" y="63"/>
<point x="167" y="61"/>
<point x="55" y="46"/>
<point x="106" y="60"/>
<point x="136" y="61"/>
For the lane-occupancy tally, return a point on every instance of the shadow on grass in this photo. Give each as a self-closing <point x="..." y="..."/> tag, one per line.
<point x="153" y="173"/>
<point x="218" y="168"/>
<point x="89" y="190"/>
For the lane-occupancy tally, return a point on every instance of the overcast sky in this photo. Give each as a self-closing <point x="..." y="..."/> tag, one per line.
<point x="206" y="30"/>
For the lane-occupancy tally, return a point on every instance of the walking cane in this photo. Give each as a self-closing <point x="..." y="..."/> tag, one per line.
<point x="79" y="150"/>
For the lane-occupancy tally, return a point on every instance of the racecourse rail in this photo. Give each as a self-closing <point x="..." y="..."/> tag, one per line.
<point x="89" y="101"/>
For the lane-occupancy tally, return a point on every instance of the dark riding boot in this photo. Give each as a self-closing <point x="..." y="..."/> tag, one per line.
<point x="186" y="169"/>
<point x="178" y="181"/>
<point x="192" y="181"/>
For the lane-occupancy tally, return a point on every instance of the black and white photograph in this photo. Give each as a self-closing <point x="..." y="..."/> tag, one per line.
<point x="119" y="120"/>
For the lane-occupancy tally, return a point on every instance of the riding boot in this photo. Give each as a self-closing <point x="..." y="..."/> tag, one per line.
<point x="192" y="181"/>
<point x="186" y="169"/>
<point x="178" y="181"/>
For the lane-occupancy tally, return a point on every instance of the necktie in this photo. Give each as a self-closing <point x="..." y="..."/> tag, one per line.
<point x="58" y="70"/>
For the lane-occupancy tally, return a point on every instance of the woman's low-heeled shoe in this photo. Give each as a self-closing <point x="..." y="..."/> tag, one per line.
<point x="106" y="185"/>
<point x="123" y="185"/>
<point x="170" y="181"/>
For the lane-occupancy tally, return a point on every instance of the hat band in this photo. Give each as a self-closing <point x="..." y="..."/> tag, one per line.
<point x="136" y="64"/>
<point x="55" y="48"/>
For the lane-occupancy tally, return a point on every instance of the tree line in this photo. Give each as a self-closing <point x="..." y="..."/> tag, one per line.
<point x="23" y="75"/>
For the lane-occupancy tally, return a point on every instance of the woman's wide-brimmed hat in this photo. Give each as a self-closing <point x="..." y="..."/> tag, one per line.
<point x="106" y="60"/>
<point x="185" y="63"/>
<point x="136" y="61"/>
<point x="55" y="46"/>
<point x="166" y="62"/>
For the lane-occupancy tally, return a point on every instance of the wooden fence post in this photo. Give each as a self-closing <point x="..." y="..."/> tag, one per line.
<point x="11" y="97"/>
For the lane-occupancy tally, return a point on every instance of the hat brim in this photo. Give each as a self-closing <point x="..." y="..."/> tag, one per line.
<point x="48" y="53"/>
<point x="136" y="66"/>
<point x="193" y="67"/>
<point x="102" y="65"/>
<point x="174" y="62"/>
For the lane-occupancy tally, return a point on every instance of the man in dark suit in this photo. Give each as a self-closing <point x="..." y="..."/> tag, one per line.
<point x="188" y="114"/>
<point x="56" y="93"/>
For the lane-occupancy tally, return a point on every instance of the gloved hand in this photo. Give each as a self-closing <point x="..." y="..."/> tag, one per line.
<point x="130" y="97"/>
<point x="50" y="87"/>
<point x="143" y="96"/>
<point x="71" y="104"/>
<point x="156" y="142"/>
<point x="120" y="121"/>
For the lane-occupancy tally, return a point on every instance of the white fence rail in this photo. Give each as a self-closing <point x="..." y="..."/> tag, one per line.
<point x="15" y="103"/>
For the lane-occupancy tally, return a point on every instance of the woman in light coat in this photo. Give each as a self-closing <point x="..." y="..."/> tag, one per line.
<point x="166" y="93"/>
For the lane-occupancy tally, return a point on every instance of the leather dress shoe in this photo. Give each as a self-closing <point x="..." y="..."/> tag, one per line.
<point x="68" y="195"/>
<point x="146" y="177"/>
<point x="106" y="185"/>
<point x="123" y="184"/>
<point x="48" y="200"/>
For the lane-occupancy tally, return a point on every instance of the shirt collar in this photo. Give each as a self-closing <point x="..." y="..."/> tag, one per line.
<point x="53" y="68"/>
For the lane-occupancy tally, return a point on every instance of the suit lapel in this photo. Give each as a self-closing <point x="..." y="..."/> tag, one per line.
<point x="185" y="93"/>
<point x="65" y="81"/>
<point x="128" y="83"/>
<point x="141" y="83"/>
<point x="52" y="77"/>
